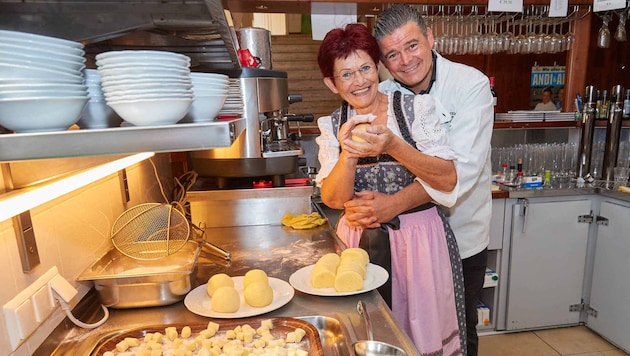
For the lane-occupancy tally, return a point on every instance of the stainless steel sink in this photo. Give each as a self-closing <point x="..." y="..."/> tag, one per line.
<point x="333" y="334"/>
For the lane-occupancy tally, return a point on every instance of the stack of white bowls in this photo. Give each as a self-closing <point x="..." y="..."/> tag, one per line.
<point x="211" y="90"/>
<point x="41" y="82"/>
<point x="97" y="114"/>
<point x="146" y="88"/>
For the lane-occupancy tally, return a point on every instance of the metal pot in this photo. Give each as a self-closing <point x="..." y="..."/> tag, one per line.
<point x="258" y="41"/>
<point x="370" y="347"/>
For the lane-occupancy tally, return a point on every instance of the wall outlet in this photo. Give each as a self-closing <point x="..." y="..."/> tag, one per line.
<point x="30" y="308"/>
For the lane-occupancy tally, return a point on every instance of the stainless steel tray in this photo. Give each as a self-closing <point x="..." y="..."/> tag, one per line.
<point x="124" y="282"/>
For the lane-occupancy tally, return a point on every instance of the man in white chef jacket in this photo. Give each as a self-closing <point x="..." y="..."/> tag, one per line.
<point x="465" y="105"/>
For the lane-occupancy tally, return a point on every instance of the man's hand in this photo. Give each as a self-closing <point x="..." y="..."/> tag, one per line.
<point x="369" y="209"/>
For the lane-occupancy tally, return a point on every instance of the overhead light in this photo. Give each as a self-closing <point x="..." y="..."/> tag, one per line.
<point x="18" y="201"/>
<point x="262" y="7"/>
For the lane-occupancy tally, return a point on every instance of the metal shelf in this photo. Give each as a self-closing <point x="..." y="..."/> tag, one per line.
<point x="120" y="140"/>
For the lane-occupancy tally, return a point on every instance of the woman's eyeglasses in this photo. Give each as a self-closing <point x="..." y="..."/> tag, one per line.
<point x="348" y="76"/>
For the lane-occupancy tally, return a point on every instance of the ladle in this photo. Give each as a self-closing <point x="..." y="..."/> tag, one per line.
<point x="370" y="347"/>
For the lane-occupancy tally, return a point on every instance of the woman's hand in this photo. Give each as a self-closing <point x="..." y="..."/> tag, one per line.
<point x="378" y="138"/>
<point x="368" y="209"/>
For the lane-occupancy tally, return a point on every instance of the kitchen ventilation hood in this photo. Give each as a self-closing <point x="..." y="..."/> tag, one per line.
<point x="196" y="28"/>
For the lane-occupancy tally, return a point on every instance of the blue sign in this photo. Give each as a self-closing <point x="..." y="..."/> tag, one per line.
<point x="547" y="78"/>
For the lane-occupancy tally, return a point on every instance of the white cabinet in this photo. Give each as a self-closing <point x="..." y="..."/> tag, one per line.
<point x="547" y="262"/>
<point x="610" y="290"/>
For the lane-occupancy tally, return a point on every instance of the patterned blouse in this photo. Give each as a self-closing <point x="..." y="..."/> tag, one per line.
<point x="411" y="117"/>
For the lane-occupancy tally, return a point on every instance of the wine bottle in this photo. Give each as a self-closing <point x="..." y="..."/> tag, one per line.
<point x="494" y="94"/>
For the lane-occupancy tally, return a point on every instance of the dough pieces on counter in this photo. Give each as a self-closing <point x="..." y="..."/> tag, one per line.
<point x="226" y="300"/>
<point x="345" y="273"/>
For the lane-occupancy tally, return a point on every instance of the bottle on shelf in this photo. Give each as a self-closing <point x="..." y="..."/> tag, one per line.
<point x="603" y="111"/>
<point x="519" y="165"/>
<point x="626" y="106"/>
<point x="598" y="105"/>
<point x="494" y="94"/>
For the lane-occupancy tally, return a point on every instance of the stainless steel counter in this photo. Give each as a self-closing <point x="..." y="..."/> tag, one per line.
<point x="599" y="189"/>
<point x="279" y="251"/>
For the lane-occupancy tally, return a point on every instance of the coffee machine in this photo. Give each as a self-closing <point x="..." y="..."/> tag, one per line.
<point x="265" y="150"/>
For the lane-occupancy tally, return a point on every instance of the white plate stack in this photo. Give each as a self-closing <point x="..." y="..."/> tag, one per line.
<point x="97" y="114"/>
<point x="146" y="87"/>
<point x="211" y="90"/>
<point x="41" y="82"/>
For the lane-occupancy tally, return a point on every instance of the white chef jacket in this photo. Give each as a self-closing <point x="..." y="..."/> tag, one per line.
<point x="465" y="106"/>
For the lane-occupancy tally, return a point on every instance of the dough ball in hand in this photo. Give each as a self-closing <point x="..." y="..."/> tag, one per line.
<point x="360" y="127"/>
<point x="225" y="300"/>
<point x="217" y="281"/>
<point x="255" y="275"/>
<point x="258" y="294"/>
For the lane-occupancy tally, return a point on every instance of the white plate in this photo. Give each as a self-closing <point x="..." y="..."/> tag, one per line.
<point x="375" y="276"/>
<point x="198" y="301"/>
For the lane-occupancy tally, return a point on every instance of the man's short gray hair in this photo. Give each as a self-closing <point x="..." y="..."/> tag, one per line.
<point x="394" y="17"/>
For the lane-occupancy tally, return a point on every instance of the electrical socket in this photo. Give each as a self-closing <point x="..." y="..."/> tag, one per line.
<point x="30" y="308"/>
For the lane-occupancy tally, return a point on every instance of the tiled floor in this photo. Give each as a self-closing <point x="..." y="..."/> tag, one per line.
<point x="577" y="340"/>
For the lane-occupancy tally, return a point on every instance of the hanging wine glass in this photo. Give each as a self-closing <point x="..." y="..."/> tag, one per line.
<point x="603" y="37"/>
<point x="620" y="33"/>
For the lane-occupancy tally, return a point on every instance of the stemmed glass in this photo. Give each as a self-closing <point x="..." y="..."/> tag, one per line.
<point x="603" y="36"/>
<point x="508" y="35"/>
<point x="620" y="33"/>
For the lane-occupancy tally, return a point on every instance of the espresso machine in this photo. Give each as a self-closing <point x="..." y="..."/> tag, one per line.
<point x="265" y="151"/>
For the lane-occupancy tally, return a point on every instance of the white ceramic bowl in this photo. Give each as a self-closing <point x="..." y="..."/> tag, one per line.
<point x="224" y="88"/>
<point x="152" y="112"/>
<point x="143" y="70"/>
<point x="147" y="81"/>
<point x="41" y="86"/>
<point x="210" y="81"/>
<point x="141" y="93"/>
<point x="42" y="64"/>
<point x="146" y="87"/>
<point x="205" y="108"/>
<point x="146" y="54"/>
<point x="35" y="38"/>
<point x="98" y="115"/>
<point x="41" y="114"/>
<point x="49" y="47"/>
<point x="16" y="71"/>
<point x="207" y="76"/>
<point x="16" y="94"/>
<point x="210" y="92"/>
<point x="91" y="75"/>
<point x="18" y="47"/>
<point x="42" y="61"/>
<point x="142" y="78"/>
<point x="119" y="98"/>
<point x="142" y="60"/>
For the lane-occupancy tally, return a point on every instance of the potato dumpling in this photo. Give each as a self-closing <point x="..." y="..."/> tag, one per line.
<point x="348" y="281"/>
<point x="217" y="281"/>
<point x="225" y="300"/>
<point x="360" y="127"/>
<point x="255" y="275"/>
<point x="356" y="251"/>
<point x="258" y="294"/>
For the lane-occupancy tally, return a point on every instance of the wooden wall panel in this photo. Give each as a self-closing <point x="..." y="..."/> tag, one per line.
<point x="296" y="54"/>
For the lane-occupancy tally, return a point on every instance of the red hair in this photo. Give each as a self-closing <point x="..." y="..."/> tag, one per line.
<point x="340" y="43"/>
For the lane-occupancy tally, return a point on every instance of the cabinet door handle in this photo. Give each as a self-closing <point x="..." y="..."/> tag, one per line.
<point x="525" y="203"/>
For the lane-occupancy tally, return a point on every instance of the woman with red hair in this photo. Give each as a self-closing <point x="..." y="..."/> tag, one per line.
<point x="404" y="144"/>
